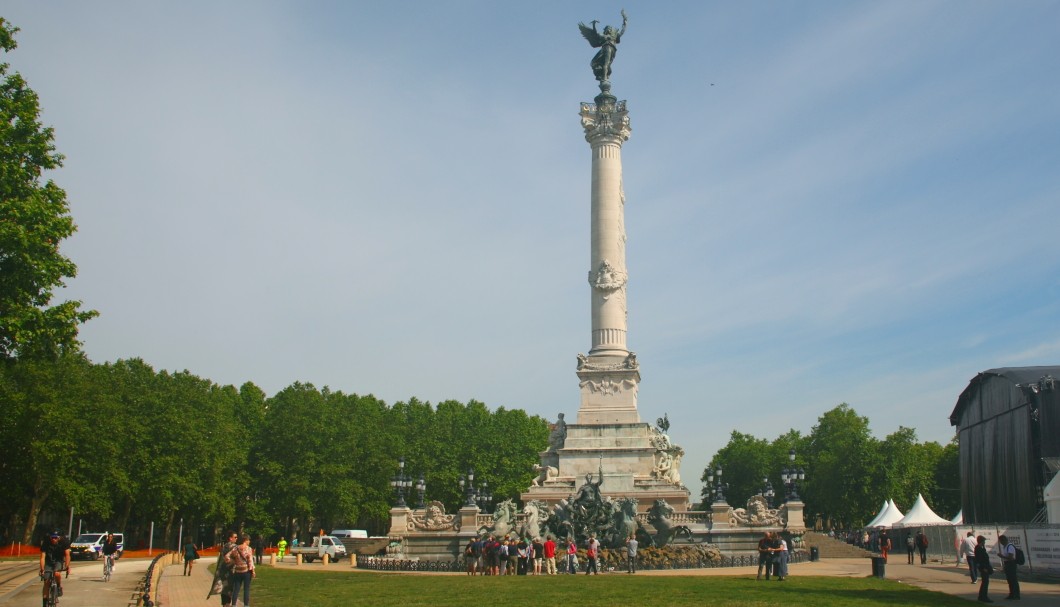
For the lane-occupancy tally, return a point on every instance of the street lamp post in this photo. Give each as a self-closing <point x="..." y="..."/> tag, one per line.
<point x="791" y="477"/>
<point x="718" y="489"/>
<point x="421" y="489"/>
<point x="400" y="482"/>
<point x="767" y="492"/>
<point x="467" y="485"/>
<point x="483" y="497"/>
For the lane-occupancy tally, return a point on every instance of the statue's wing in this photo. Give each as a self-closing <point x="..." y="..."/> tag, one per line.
<point x="594" y="38"/>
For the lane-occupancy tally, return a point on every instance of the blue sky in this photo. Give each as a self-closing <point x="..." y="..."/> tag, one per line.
<point x="827" y="202"/>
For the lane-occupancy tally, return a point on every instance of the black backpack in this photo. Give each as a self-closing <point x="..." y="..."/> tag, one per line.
<point x="1020" y="559"/>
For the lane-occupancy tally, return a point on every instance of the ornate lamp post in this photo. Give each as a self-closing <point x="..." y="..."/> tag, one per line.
<point x="767" y="492"/>
<point x="484" y="497"/>
<point x="400" y="482"/>
<point x="718" y="488"/>
<point x="421" y="489"/>
<point x="791" y="477"/>
<point x="468" y="487"/>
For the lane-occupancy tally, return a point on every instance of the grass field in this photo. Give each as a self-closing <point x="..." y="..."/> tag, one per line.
<point x="284" y="587"/>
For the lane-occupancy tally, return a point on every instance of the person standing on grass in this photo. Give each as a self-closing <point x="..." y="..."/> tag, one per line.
<point x="631" y="554"/>
<point x="590" y="553"/>
<point x="1007" y="551"/>
<point x="538" y="554"/>
<point x="765" y="555"/>
<point x="241" y="559"/>
<point x="782" y="558"/>
<point x="259" y="549"/>
<point x="982" y="562"/>
<point x="550" y="555"/>
<point x="572" y="557"/>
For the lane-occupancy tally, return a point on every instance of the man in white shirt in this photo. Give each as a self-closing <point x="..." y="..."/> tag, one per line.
<point x="1007" y="551"/>
<point x="968" y="552"/>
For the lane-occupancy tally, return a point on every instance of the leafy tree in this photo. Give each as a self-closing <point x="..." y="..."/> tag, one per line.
<point x="34" y="219"/>
<point x="946" y="492"/>
<point x="842" y="456"/>
<point x="745" y="460"/>
<point x="50" y="421"/>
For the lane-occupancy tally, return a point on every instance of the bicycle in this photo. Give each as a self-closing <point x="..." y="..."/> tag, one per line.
<point x="108" y="567"/>
<point x="53" y="588"/>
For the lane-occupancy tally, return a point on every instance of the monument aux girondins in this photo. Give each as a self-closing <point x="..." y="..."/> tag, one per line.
<point x="608" y="474"/>
<point x="608" y="445"/>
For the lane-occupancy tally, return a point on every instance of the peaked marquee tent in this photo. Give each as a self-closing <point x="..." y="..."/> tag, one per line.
<point x="889" y="515"/>
<point x="921" y="515"/>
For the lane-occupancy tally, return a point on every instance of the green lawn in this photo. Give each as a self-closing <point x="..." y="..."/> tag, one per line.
<point x="284" y="587"/>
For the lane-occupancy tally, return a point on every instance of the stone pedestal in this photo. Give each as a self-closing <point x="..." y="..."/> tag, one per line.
<point x="468" y="521"/>
<point x="793" y="515"/>
<point x="720" y="515"/>
<point x="399" y="521"/>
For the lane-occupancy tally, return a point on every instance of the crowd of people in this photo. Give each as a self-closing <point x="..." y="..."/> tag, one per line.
<point x="514" y="555"/>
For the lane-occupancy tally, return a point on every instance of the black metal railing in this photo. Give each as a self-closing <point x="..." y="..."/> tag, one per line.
<point x="459" y="564"/>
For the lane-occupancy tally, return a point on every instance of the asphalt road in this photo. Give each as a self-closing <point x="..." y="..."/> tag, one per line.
<point x="85" y="587"/>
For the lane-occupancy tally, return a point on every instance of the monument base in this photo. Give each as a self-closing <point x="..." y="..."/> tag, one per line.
<point x="627" y="455"/>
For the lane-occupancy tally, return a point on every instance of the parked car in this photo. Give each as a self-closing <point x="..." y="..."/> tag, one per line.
<point x="90" y="545"/>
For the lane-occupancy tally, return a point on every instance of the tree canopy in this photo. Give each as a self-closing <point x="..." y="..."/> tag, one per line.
<point x="136" y="445"/>
<point x="34" y="220"/>
<point x="849" y="473"/>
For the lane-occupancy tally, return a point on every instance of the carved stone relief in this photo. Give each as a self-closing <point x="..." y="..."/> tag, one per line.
<point x="434" y="519"/>
<point x="757" y="514"/>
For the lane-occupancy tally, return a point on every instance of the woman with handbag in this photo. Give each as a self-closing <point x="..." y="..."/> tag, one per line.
<point x="241" y="559"/>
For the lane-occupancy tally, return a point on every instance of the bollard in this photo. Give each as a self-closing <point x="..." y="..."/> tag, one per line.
<point x="298" y="559"/>
<point x="353" y="560"/>
<point x="325" y="560"/>
<point x="272" y="558"/>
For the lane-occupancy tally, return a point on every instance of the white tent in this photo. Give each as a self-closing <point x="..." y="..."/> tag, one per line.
<point x="879" y="515"/>
<point x="921" y="514"/>
<point x="959" y="519"/>
<point x="888" y="515"/>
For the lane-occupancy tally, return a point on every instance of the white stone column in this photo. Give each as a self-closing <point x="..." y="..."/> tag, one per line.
<point x="606" y="129"/>
<point x="609" y="376"/>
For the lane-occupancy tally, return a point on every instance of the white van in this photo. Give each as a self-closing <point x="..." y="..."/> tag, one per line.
<point x="90" y="545"/>
<point x="350" y="533"/>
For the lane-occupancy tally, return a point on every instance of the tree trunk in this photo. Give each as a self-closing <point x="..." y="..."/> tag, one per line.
<point x="36" y="502"/>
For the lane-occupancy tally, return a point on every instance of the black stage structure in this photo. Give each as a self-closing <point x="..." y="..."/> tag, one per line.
<point x="1008" y="425"/>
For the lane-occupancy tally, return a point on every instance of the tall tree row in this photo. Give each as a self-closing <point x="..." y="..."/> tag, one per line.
<point x="849" y="473"/>
<point x="125" y="446"/>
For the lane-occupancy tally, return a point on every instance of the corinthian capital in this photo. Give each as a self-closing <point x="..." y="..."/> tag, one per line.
<point x="605" y="121"/>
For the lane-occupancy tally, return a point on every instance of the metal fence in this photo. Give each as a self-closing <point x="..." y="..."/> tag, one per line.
<point x="460" y="564"/>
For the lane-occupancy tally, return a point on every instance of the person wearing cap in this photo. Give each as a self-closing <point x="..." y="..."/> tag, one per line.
<point x="54" y="557"/>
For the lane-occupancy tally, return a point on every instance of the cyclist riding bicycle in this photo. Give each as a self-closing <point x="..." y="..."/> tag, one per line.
<point x="54" y="557"/>
<point x="110" y="548"/>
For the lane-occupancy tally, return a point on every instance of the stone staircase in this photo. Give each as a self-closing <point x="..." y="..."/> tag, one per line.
<point x="831" y="548"/>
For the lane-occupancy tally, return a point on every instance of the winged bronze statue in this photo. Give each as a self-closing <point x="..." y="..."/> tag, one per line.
<point x="607" y="41"/>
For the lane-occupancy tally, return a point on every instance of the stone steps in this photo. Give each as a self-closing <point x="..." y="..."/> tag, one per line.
<point x="831" y="548"/>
